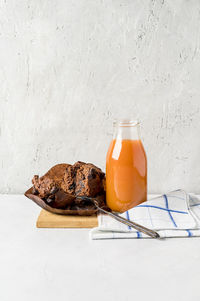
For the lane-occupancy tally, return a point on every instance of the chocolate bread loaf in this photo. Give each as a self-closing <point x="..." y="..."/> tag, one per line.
<point x="51" y="181"/>
<point x="62" y="186"/>
<point x="83" y="179"/>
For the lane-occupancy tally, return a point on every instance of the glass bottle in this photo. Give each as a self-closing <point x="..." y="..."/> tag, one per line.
<point x="126" y="167"/>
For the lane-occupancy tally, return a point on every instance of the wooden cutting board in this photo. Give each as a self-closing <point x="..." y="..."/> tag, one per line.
<point x="51" y="220"/>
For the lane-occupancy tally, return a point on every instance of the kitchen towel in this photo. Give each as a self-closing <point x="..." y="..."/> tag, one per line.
<point x="175" y="214"/>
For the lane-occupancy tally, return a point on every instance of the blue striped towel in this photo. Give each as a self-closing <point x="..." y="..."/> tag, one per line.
<point x="175" y="214"/>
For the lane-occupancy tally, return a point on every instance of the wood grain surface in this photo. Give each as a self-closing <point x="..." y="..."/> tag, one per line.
<point x="51" y="220"/>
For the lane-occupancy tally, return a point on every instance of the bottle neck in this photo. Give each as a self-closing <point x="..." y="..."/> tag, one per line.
<point x="127" y="131"/>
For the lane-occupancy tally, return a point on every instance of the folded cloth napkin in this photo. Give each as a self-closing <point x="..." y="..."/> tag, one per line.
<point x="175" y="214"/>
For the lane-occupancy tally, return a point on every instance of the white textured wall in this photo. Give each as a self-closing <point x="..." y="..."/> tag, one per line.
<point x="68" y="68"/>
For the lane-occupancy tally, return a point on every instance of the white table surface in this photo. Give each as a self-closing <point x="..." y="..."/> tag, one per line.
<point x="64" y="264"/>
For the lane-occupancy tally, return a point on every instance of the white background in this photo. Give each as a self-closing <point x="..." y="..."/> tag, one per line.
<point x="65" y="265"/>
<point x="68" y="68"/>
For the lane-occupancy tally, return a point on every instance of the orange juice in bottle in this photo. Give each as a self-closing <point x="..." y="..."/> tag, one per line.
<point x="126" y="168"/>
